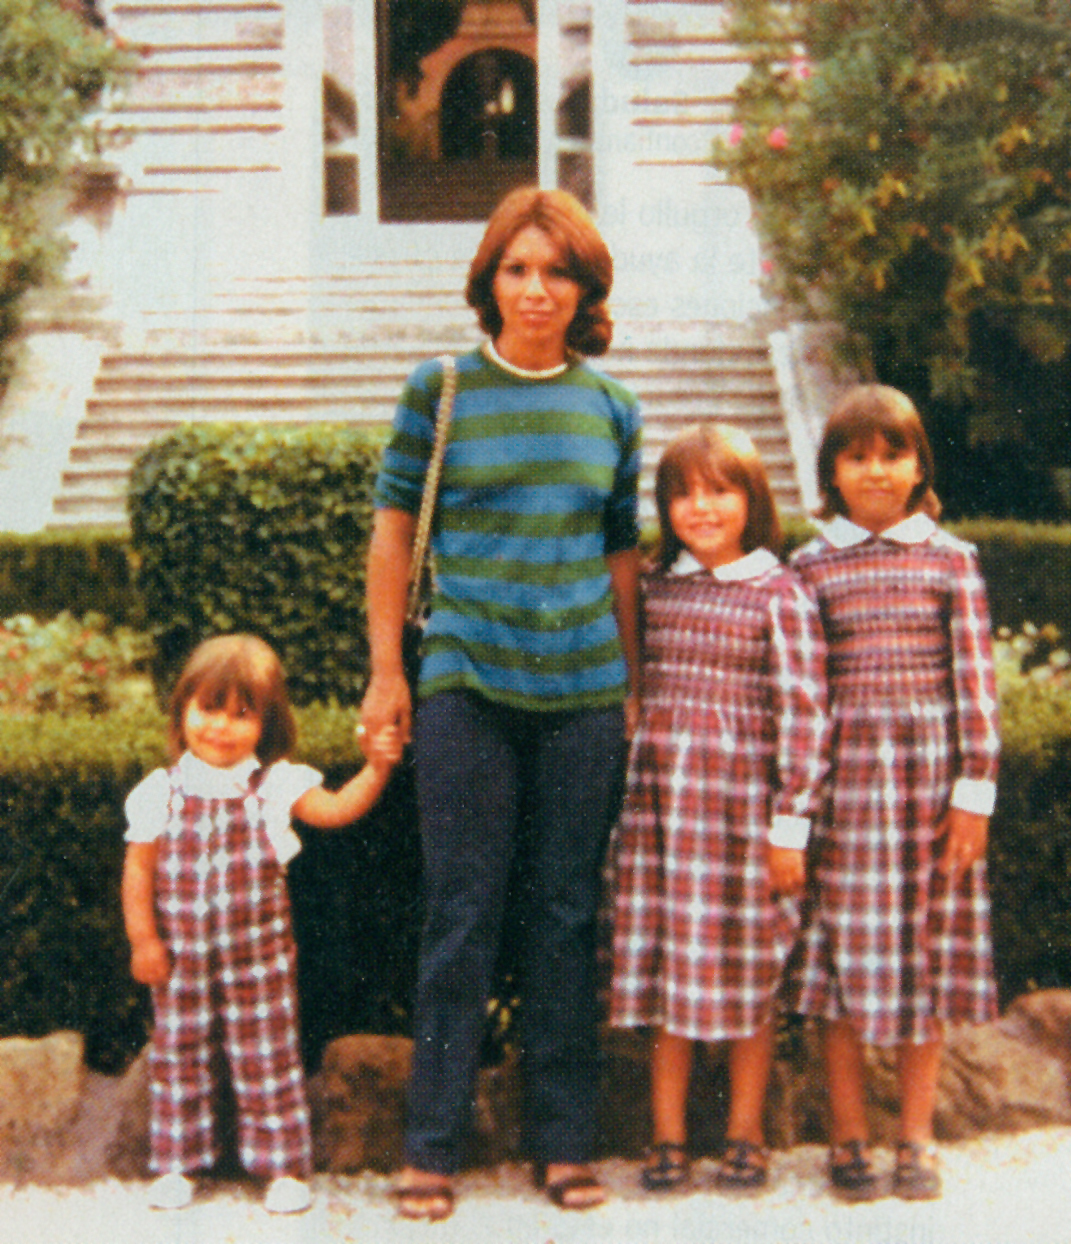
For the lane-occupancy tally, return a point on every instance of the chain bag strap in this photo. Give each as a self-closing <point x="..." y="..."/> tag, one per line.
<point x="418" y="562"/>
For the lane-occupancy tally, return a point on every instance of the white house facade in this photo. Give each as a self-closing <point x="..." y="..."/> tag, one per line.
<point x="290" y="191"/>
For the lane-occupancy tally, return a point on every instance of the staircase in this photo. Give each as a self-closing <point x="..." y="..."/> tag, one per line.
<point x="204" y="129"/>
<point x="339" y="349"/>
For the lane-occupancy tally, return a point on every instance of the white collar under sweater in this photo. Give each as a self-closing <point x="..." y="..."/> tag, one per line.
<point x="842" y="533"/>
<point x="750" y="566"/>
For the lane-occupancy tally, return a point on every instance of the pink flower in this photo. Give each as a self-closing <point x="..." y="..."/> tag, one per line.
<point x="736" y="135"/>
<point x="777" y="138"/>
<point x="767" y="266"/>
<point x="801" y="69"/>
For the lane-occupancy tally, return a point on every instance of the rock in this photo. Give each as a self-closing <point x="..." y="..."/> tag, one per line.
<point x="40" y="1081"/>
<point x="62" y="1124"/>
<point x="358" y="1106"/>
<point x="358" y="1103"/>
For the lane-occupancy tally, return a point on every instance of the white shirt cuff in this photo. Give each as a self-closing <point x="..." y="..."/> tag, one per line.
<point x="974" y="795"/>
<point x="790" y="831"/>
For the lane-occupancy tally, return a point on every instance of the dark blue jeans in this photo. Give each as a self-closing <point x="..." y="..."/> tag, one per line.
<point x="493" y="781"/>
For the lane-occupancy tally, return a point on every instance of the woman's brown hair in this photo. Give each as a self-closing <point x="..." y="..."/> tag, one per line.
<point x="719" y="455"/>
<point x="565" y="221"/>
<point x="866" y="411"/>
<point x="241" y="670"/>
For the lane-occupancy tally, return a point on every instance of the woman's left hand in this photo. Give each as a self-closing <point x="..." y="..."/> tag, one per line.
<point x="967" y="835"/>
<point x="632" y="715"/>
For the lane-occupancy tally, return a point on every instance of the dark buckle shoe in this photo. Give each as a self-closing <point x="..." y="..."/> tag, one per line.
<point x="666" y="1169"/>
<point x="851" y="1172"/>
<point x="915" y="1176"/>
<point x="743" y="1167"/>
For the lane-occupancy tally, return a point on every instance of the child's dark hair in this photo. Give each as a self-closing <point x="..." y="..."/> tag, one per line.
<point x="866" y="411"/>
<point x="238" y="669"/>
<point x="718" y="454"/>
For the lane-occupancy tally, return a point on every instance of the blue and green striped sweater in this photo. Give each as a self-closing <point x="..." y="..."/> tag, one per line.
<point x="539" y="484"/>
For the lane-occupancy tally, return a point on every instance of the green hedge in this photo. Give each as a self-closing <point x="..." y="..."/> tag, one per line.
<point x="263" y="529"/>
<point x="1026" y="566"/>
<point x="356" y="893"/>
<point x="43" y="575"/>
<point x="1027" y="569"/>
<point x="64" y="960"/>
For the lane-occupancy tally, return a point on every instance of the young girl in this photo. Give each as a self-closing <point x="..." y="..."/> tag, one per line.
<point x="724" y="772"/>
<point x="208" y="918"/>
<point x="897" y="937"/>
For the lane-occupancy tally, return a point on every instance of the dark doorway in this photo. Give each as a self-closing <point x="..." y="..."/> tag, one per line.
<point x="489" y="108"/>
<point x="451" y="155"/>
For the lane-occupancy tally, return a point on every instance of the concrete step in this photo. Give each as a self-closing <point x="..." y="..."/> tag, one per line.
<point x="207" y="26"/>
<point x="128" y="411"/>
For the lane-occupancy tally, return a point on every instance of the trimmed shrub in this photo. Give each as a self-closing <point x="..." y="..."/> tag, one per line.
<point x="1027" y="569"/>
<point x="242" y="527"/>
<point x="76" y="572"/>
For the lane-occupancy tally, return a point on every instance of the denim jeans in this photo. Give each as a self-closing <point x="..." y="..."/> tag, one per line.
<point x="493" y="781"/>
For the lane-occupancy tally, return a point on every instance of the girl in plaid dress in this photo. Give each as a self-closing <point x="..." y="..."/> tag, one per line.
<point x="208" y="918"/>
<point x="897" y="938"/>
<point x="724" y="772"/>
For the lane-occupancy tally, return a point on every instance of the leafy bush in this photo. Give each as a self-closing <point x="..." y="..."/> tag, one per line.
<point x="248" y="528"/>
<point x="907" y="167"/>
<point x="67" y="664"/>
<point x="1030" y="840"/>
<point x="52" y="70"/>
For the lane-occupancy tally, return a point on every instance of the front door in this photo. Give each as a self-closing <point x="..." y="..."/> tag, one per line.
<point x="434" y="109"/>
<point x="458" y="106"/>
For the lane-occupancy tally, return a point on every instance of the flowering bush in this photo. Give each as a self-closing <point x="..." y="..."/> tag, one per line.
<point x="908" y="168"/>
<point x="66" y="664"/>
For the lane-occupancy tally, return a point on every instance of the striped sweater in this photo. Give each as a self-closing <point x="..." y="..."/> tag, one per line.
<point x="539" y="484"/>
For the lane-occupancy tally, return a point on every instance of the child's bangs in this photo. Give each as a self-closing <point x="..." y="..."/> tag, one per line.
<point x="235" y="683"/>
<point x="865" y="420"/>
<point x="702" y="457"/>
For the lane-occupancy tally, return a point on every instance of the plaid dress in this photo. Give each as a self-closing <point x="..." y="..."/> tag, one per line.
<point x="888" y="942"/>
<point x="732" y="739"/>
<point x="223" y="912"/>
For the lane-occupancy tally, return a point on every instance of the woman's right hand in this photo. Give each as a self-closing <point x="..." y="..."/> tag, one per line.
<point x="387" y="702"/>
<point x="149" y="962"/>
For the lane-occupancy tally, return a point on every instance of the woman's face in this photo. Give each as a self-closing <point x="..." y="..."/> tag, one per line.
<point x="536" y="298"/>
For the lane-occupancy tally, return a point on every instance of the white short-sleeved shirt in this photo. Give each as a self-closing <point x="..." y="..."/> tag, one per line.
<point x="283" y="785"/>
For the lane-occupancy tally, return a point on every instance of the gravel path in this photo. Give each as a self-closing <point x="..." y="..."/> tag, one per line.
<point x="1000" y="1190"/>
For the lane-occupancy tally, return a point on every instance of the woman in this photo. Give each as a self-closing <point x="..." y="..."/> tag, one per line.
<point x="529" y="653"/>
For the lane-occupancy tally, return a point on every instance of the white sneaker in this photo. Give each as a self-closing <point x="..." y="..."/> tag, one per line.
<point x="287" y="1195"/>
<point x="170" y="1191"/>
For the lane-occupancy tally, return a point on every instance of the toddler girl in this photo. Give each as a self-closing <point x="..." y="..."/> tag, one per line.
<point x="724" y="772"/>
<point x="208" y="918"/>
<point x="897" y="934"/>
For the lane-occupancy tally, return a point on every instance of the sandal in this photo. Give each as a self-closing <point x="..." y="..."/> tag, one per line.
<point x="916" y="1177"/>
<point x="667" y="1167"/>
<point x="579" y="1190"/>
<point x="425" y="1202"/>
<point x="851" y="1172"/>
<point x="743" y="1167"/>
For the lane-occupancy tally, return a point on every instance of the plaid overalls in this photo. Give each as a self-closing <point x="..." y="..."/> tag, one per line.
<point x="224" y="914"/>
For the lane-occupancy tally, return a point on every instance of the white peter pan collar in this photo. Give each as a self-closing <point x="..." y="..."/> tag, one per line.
<point x="207" y="782"/>
<point x="750" y="566"/>
<point x="842" y="533"/>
